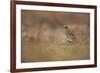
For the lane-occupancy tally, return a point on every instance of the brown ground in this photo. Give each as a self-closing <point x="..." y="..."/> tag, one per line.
<point x="43" y="36"/>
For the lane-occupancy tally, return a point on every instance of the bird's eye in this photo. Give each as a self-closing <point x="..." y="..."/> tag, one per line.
<point x="66" y="27"/>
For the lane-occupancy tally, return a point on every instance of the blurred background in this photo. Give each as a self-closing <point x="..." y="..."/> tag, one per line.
<point x="43" y="36"/>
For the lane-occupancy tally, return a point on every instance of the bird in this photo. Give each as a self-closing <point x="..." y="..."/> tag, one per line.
<point x="70" y="36"/>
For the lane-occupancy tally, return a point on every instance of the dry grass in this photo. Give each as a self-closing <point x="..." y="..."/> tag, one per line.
<point x="55" y="52"/>
<point x="33" y="32"/>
